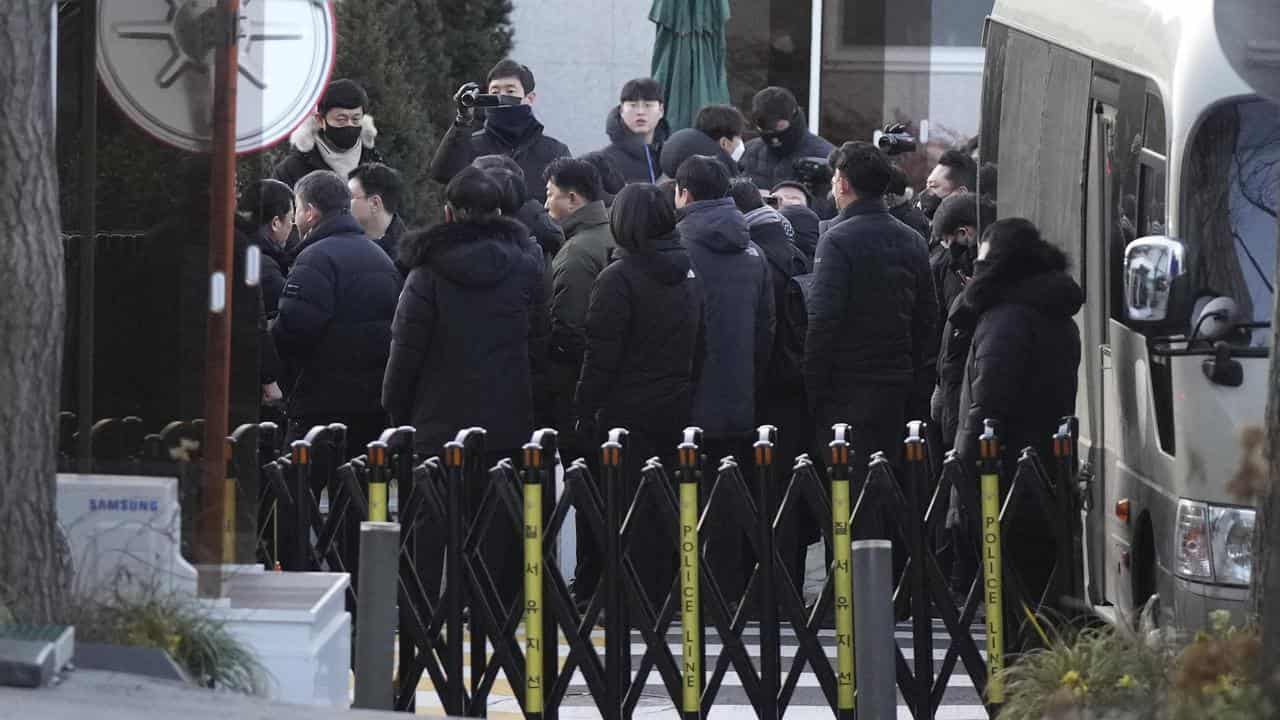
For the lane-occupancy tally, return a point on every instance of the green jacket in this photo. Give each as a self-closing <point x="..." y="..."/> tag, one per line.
<point x="586" y="251"/>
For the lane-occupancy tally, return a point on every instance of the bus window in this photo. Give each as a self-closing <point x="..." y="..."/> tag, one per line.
<point x="1229" y="192"/>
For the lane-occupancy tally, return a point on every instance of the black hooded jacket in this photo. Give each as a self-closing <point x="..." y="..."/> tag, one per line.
<point x="873" y="315"/>
<point x="805" y="224"/>
<point x="334" y="325"/>
<point x="471" y="320"/>
<point x="684" y="144"/>
<point x="534" y="151"/>
<point x="774" y="236"/>
<point x="628" y="152"/>
<point x="1021" y="369"/>
<point x="642" y="328"/>
<point x="738" y="313"/>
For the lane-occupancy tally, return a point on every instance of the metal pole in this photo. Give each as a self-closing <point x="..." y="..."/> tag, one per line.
<point x="770" y="662"/>
<point x="873" y="625"/>
<point x="691" y="653"/>
<point x="221" y="247"/>
<point x="88" y="227"/>
<point x="815" y="66"/>
<point x="454" y="696"/>
<point x="917" y="481"/>
<point x="375" y="625"/>
<point x="617" y="633"/>
<point x="992" y="569"/>
<point x="846" y="662"/>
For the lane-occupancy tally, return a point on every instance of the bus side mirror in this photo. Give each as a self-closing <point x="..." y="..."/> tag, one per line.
<point x="1151" y="267"/>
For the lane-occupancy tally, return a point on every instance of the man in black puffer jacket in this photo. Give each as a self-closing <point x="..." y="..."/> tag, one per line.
<point x="334" y="326"/>
<point x="784" y="139"/>
<point x="738" y="315"/>
<point x="636" y="131"/>
<point x="872" y="311"/>
<point x="472" y="313"/>
<point x="510" y="130"/>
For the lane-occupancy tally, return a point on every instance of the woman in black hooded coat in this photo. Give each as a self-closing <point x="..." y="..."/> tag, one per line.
<point x="1021" y="370"/>
<point x="643" y="325"/>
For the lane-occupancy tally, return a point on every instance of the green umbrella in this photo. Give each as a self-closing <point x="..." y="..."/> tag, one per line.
<point x="688" y="55"/>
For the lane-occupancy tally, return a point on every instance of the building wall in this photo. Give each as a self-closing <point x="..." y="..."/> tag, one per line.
<point x="581" y="52"/>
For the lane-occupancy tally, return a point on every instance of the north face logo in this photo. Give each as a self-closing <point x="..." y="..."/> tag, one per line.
<point x="752" y="252"/>
<point x="690" y="275"/>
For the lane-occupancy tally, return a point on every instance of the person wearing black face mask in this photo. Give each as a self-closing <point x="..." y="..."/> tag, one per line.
<point x="509" y="129"/>
<point x="339" y="137"/>
<point x="784" y="138"/>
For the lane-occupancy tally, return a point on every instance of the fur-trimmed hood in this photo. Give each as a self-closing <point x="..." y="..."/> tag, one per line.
<point x="304" y="138"/>
<point x="471" y="253"/>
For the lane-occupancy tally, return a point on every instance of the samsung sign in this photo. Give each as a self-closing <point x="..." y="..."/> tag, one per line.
<point x="150" y="505"/>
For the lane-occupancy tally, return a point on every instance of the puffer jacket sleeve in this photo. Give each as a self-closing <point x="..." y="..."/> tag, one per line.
<point x="411" y="333"/>
<point x="827" y="302"/>
<point x="306" y="308"/>
<point x="454" y="153"/>
<point x="924" y="323"/>
<point x="539" y="338"/>
<point x="997" y="367"/>
<point x="766" y="324"/>
<point x="608" y="316"/>
<point x="573" y="274"/>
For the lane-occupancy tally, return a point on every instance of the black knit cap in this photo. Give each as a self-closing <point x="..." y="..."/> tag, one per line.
<point x="773" y="104"/>
<point x="345" y="94"/>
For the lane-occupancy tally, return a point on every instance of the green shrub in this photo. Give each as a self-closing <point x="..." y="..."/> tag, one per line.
<point x="200" y="644"/>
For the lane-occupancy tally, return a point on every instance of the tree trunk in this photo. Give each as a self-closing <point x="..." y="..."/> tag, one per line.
<point x="32" y="560"/>
<point x="1266" y="539"/>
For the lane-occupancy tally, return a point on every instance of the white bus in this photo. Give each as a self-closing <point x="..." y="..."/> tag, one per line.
<point x="1119" y="128"/>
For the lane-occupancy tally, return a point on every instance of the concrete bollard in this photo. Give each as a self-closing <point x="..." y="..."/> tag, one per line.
<point x="873" y="627"/>
<point x="376" y="621"/>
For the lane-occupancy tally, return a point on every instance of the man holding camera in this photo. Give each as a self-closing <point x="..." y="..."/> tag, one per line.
<point x="786" y="150"/>
<point x="509" y="128"/>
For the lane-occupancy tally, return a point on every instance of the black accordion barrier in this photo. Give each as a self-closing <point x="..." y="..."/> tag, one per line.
<point x="483" y="592"/>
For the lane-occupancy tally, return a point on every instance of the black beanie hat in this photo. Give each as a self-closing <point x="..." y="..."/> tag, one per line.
<point x="773" y="104"/>
<point x="346" y="94"/>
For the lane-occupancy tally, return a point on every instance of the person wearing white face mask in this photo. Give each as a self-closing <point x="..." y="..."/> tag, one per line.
<point x="717" y="132"/>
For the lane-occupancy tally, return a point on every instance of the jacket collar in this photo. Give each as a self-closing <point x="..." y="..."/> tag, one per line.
<point x="593" y="214"/>
<point x="865" y="206"/>
<point x="339" y="223"/>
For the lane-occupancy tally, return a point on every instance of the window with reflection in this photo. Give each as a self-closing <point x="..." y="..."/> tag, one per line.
<point x="1233" y="175"/>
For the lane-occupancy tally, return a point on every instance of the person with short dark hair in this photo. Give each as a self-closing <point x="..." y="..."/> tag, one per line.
<point x="509" y="129"/>
<point x="611" y="181"/>
<point x="573" y="200"/>
<point x="955" y="172"/>
<point x="724" y="124"/>
<point x="531" y="212"/>
<point x="265" y="216"/>
<point x="717" y="132"/>
<point x="958" y="222"/>
<point x="334" y="325"/>
<point x="375" y="202"/>
<point x="338" y="137"/>
<point x="872" y="311"/>
<point x="784" y="139"/>
<point x="900" y="205"/>
<point x="470" y="321"/>
<point x="638" y="370"/>
<point x="792" y="192"/>
<point x="637" y="129"/>
<point x="738" y="312"/>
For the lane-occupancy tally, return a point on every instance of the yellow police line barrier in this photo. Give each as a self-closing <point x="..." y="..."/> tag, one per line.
<point x="534" y="681"/>
<point x="992" y="569"/>
<point x="847" y="685"/>
<point x="690" y="610"/>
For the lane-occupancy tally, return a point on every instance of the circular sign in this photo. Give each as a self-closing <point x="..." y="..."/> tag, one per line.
<point x="156" y="59"/>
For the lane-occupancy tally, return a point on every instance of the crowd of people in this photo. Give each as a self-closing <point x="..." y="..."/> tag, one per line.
<point x="698" y="277"/>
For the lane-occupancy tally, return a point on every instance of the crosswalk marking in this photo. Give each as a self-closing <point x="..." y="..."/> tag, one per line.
<point x="960" y="701"/>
